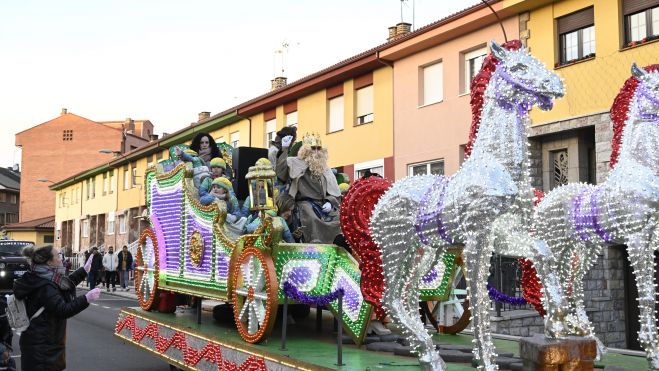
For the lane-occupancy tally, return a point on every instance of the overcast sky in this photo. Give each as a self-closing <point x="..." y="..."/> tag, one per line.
<point x="166" y="61"/>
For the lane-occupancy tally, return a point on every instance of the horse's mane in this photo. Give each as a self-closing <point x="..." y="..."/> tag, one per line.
<point x="478" y="86"/>
<point x="620" y="111"/>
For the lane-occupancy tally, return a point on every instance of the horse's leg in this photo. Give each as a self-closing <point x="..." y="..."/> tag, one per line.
<point x="588" y="256"/>
<point x="641" y="256"/>
<point x="478" y="251"/>
<point x="553" y="298"/>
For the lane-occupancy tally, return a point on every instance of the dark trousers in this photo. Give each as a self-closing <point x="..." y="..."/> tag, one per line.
<point x="92" y="278"/>
<point x="110" y="277"/>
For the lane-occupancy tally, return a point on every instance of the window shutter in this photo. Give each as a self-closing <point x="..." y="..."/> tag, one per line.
<point x="363" y="81"/>
<point x="336" y="114"/>
<point x="335" y="91"/>
<point x="290" y="107"/>
<point x="635" y="6"/>
<point x="577" y="20"/>
<point x="270" y="114"/>
<point x="365" y="101"/>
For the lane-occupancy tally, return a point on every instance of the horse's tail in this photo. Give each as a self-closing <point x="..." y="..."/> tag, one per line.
<point x="356" y="210"/>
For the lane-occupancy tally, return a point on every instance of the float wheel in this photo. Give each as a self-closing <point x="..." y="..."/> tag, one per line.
<point x="146" y="270"/>
<point x="255" y="295"/>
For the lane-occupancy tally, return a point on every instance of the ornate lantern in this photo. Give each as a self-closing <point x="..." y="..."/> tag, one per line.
<point x="261" y="180"/>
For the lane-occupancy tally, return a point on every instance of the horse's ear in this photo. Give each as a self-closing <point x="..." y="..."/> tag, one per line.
<point x="497" y="50"/>
<point x="637" y="71"/>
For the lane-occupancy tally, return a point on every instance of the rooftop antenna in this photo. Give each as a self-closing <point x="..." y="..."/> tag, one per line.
<point x="280" y="51"/>
<point x="505" y="37"/>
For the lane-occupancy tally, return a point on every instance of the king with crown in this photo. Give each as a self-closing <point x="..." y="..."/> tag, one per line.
<point x="314" y="188"/>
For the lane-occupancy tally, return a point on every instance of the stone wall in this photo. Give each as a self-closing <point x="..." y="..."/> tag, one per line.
<point x="518" y="323"/>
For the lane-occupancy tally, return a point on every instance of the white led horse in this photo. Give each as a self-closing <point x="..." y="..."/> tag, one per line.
<point x="577" y="220"/>
<point x="419" y="216"/>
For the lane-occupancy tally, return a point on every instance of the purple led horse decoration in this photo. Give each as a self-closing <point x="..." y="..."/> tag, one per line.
<point x="418" y="217"/>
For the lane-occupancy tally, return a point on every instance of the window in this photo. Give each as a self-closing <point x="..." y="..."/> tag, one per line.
<point x="641" y="21"/>
<point x="93" y="187"/>
<point x="133" y="176"/>
<point x="112" y="184"/>
<point x="220" y="140"/>
<point x="235" y="139"/>
<point x="105" y="184"/>
<point x="473" y="61"/>
<point x="576" y="36"/>
<point x="3" y="197"/>
<point x="85" y="228"/>
<point x="110" y="228"/>
<point x="67" y="135"/>
<point x="122" y="223"/>
<point x="291" y="119"/>
<point x="335" y="107"/>
<point x="62" y="199"/>
<point x="158" y="156"/>
<point x="364" y="105"/>
<point x="435" y="167"/>
<point x="560" y="168"/>
<point x="2" y="219"/>
<point x="126" y="178"/>
<point x="13" y="199"/>
<point x="376" y="166"/>
<point x="270" y="131"/>
<point x="12" y="218"/>
<point x="48" y="239"/>
<point x="149" y="160"/>
<point x="87" y="190"/>
<point x="432" y="81"/>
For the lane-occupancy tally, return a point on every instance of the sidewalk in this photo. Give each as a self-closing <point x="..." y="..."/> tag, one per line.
<point x="206" y="304"/>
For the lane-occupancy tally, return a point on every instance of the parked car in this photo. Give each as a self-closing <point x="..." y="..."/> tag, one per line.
<point x="12" y="263"/>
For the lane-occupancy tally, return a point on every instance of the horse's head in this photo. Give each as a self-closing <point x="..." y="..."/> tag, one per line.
<point x="647" y="92"/>
<point x="523" y="80"/>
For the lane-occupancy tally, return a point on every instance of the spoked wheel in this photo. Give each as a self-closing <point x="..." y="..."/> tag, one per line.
<point x="255" y="292"/>
<point x="146" y="271"/>
<point x="453" y="315"/>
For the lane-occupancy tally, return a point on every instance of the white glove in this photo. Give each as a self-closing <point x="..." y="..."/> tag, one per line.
<point x="327" y="207"/>
<point x="88" y="264"/>
<point x="286" y="141"/>
<point x="93" y="295"/>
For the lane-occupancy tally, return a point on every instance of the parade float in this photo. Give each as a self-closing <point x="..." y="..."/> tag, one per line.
<point x="191" y="249"/>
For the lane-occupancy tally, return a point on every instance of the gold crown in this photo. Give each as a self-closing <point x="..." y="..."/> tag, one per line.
<point x="312" y="140"/>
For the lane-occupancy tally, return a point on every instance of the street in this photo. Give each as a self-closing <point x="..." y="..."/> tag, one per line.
<point x="91" y="343"/>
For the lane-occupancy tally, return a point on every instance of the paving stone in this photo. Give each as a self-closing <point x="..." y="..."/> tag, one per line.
<point x="505" y="362"/>
<point x="404" y="351"/>
<point x="391" y="337"/>
<point x="383" y="346"/>
<point x="371" y="339"/>
<point x="517" y="366"/>
<point x="461" y="348"/>
<point x="450" y="355"/>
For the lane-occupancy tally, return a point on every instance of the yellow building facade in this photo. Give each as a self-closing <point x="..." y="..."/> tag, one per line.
<point x="591" y="44"/>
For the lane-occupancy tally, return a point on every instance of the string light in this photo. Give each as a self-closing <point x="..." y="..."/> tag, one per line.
<point x="487" y="204"/>
<point x="578" y="220"/>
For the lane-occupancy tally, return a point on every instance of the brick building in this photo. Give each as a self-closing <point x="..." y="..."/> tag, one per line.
<point x="10" y="180"/>
<point x="66" y="145"/>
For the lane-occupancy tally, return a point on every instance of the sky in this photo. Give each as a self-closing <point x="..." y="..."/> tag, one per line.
<point x="166" y="61"/>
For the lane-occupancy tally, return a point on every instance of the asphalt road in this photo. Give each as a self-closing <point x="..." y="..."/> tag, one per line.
<point x="91" y="344"/>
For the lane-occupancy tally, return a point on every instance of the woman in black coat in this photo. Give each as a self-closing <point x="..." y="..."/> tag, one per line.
<point x="45" y="285"/>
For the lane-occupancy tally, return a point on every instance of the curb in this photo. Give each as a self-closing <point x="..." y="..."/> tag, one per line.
<point x="207" y="305"/>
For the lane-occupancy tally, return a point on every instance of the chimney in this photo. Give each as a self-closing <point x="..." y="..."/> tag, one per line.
<point x="399" y="30"/>
<point x="15" y="168"/>
<point x="63" y="111"/>
<point x="129" y="124"/>
<point x="278" y="82"/>
<point x="153" y="137"/>
<point x="392" y="33"/>
<point x="403" y="28"/>
<point x="203" y="116"/>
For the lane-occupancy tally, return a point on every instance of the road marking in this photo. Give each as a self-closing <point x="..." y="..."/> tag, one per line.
<point x="106" y="307"/>
<point x="93" y="303"/>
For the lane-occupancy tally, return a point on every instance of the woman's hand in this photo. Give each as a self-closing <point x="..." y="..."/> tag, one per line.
<point x="88" y="264"/>
<point x="92" y="295"/>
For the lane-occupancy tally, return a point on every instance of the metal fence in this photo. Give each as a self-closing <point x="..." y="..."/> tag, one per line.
<point x="506" y="277"/>
<point x="78" y="260"/>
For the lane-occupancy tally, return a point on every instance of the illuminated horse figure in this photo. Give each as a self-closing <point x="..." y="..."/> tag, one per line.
<point x="577" y="220"/>
<point x="418" y="217"/>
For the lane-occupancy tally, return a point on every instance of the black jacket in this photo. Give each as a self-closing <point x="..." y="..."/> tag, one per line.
<point x="97" y="262"/>
<point x="43" y="343"/>
<point x="129" y="260"/>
